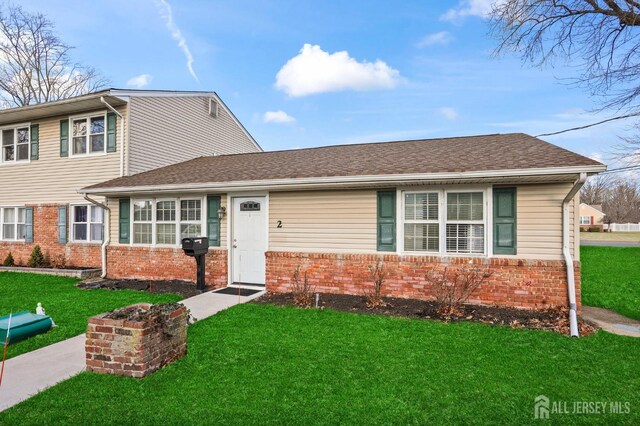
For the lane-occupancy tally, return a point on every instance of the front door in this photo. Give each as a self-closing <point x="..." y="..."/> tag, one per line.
<point x="249" y="240"/>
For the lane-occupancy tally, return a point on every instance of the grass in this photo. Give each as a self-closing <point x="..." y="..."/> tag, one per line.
<point x="261" y="364"/>
<point x="611" y="278"/>
<point x="611" y="236"/>
<point x="69" y="306"/>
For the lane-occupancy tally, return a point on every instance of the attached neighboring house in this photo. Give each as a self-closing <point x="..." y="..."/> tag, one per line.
<point x="507" y="201"/>
<point x="50" y="151"/>
<point x="591" y="216"/>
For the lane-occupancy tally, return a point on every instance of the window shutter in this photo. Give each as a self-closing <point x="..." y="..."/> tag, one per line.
<point x="123" y="220"/>
<point x="386" y="221"/>
<point x="35" y="137"/>
<point x="213" y="222"/>
<point x="28" y="225"/>
<point x="504" y="221"/>
<point x="111" y="132"/>
<point x="64" y="138"/>
<point x="62" y="224"/>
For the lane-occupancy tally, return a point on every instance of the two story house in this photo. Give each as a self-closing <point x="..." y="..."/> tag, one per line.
<point x="50" y="151"/>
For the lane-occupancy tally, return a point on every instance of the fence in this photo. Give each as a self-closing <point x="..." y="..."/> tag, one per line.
<point x="623" y="227"/>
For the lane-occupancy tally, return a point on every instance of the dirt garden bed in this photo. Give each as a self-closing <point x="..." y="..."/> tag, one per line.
<point x="183" y="288"/>
<point x="549" y="319"/>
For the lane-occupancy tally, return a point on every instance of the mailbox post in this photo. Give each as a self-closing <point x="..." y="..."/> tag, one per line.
<point x="198" y="248"/>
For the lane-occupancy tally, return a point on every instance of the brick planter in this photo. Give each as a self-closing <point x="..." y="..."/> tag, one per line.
<point x="137" y="340"/>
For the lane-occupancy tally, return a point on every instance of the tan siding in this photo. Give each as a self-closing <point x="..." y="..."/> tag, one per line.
<point x="323" y="221"/>
<point x="183" y="127"/>
<point x="539" y="210"/>
<point x="55" y="179"/>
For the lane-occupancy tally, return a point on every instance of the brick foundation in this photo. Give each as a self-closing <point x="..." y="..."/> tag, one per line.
<point x="530" y="284"/>
<point x="135" y="348"/>
<point x="164" y="263"/>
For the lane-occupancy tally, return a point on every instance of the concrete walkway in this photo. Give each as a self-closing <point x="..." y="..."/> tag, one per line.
<point x="611" y="321"/>
<point x="31" y="373"/>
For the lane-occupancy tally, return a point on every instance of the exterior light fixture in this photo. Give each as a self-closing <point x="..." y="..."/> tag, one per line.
<point x="221" y="212"/>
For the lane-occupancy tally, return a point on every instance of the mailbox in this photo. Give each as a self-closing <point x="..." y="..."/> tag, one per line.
<point x="197" y="247"/>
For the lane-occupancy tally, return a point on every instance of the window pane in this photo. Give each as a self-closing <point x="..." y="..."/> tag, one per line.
<point x="80" y="145"/>
<point x="166" y="233"/>
<point x="9" y="215"/>
<point x="97" y="143"/>
<point x="9" y="232"/>
<point x="80" y="214"/>
<point x="465" y="206"/>
<point x="22" y="214"/>
<point x="80" y="231"/>
<point x="190" y="210"/>
<point x="23" y="152"/>
<point x="142" y="211"/>
<point x="142" y="233"/>
<point x="79" y="128"/>
<point x="22" y="233"/>
<point x="96" y="232"/>
<point x="23" y="135"/>
<point x="97" y="125"/>
<point x="421" y="237"/>
<point x="96" y="214"/>
<point x="465" y="238"/>
<point x="421" y="206"/>
<point x="8" y="153"/>
<point x="166" y="211"/>
<point x="190" y="230"/>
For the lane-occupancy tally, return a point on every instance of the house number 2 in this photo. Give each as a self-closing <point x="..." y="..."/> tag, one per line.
<point x="279" y="224"/>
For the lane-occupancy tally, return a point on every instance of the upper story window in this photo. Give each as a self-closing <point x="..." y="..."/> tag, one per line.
<point x="13" y="221"/>
<point x="88" y="135"/>
<point x="86" y="223"/>
<point x="15" y="144"/>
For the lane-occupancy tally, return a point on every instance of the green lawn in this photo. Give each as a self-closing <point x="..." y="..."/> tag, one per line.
<point x="261" y="364"/>
<point x="69" y="306"/>
<point x="611" y="278"/>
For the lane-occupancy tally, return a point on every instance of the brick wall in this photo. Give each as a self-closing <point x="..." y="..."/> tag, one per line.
<point x="164" y="263"/>
<point x="532" y="284"/>
<point x="45" y="234"/>
<point x="135" y="348"/>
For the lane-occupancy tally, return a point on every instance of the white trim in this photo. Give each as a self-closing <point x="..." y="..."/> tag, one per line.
<point x="314" y="182"/>
<point x="87" y="118"/>
<point x="88" y="223"/>
<point x="15" y="128"/>
<point x="15" y="224"/>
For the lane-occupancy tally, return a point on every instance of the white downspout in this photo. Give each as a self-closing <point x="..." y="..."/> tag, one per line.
<point x="121" y="134"/>
<point x="107" y="232"/>
<point x="566" y="251"/>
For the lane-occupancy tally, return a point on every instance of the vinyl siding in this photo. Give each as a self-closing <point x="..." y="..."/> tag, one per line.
<point x="183" y="127"/>
<point x="55" y="179"/>
<point x="323" y="221"/>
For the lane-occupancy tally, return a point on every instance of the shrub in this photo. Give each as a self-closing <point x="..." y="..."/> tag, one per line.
<point x="594" y="229"/>
<point x="9" y="261"/>
<point x="378" y="275"/>
<point x="301" y="289"/>
<point x="36" y="259"/>
<point x="453" y="287"/>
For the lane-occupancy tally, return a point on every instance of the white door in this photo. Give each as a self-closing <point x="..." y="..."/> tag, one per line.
<point x="249" y="240"/>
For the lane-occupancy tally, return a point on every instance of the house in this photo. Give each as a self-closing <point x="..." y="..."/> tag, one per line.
<point x="50" y="151"/>
<point x="591" y="216"/>
<point x="508" y="201"/>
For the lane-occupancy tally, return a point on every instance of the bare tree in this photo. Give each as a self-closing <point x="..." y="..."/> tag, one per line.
<point x="622" y="203"/>
<point x="595" y="189"/>
<point x="35" y="65"/>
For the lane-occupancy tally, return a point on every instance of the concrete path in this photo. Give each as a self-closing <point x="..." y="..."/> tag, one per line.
<point x="31" y="373"/>
<point x="610" y="243"/>
<point x="611" y="321"/>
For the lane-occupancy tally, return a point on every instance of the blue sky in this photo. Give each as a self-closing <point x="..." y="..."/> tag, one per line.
<point x="301" y="74"/>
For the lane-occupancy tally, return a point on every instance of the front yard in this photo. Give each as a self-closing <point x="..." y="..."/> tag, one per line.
<point x="631" y="237"/>
<point x="258" y="364"/>
<point x="70" y="307"/>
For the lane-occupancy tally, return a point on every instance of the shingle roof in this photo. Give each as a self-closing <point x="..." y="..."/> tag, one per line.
<point x="512" y="151"/>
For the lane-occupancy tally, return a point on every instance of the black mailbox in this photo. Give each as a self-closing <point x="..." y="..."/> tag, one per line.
<point x="197" y="247"/>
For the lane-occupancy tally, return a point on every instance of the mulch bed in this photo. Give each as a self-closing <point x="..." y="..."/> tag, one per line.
<point x="550" y="319"/>
<point x="182" y="288"/>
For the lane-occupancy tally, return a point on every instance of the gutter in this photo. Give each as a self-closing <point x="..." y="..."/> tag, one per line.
<point x="566" y="251"/>
<point x="121" y="133"/>
<point x="106" y="233"/>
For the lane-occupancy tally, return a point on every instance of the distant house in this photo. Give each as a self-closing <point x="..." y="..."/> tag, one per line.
<point x="591" y="216"/>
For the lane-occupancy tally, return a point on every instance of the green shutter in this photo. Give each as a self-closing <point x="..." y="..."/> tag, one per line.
<point x="35" y="138"/>
<point x="386" y="221"/>
<point x="28" y="225"/>
<point x="123" y="220"/>
<point x="213" y="222"/>
<point x="62" y="224"/>
<point x="111" y="132"/>
<point x="64" y="138"/>
<point x="504" y="221"/>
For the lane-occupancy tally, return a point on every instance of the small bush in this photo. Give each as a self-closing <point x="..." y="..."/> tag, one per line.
<point x="453" y="287"/>
<point x="36" y="259"/>
<point x="594" y="229"/>
<point x="9" y="261"/>
<point x="378" y="275"/>
<point x="301" y="289"/>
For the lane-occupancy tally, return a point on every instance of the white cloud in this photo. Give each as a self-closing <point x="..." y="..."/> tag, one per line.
<point x="449" y="113"/>
<point x="167" y="14"/>
<point x="140" y="81"/>
<point x="442" y="38"/>
<point x="277" y="117"/>
<point x="315" y="71"/>
<point x="465" y="8"/>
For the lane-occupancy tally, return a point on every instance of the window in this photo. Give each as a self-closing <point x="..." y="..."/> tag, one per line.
<point x="166" y="222"/>
<point x="13" y="223"/>
<point x="142" y="222"/>
<point x="190" y="218"/>
<point x="585" y="220"/>
<point x="250" y="206"/>
<point x="15" y="144"/>
<point x="87" y="223"/>
<point x="465" y="222"/>
<point x="421" y="227"/>
<point x="88" y="135"/>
